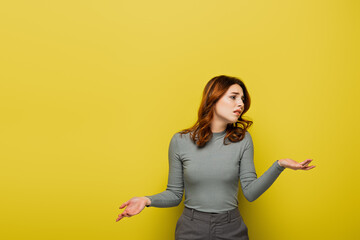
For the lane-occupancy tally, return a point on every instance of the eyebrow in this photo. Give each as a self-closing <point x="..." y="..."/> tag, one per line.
<point x="236" y="93"/>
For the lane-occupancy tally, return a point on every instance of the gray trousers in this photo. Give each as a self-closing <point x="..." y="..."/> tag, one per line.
<point x="196" y="225"/>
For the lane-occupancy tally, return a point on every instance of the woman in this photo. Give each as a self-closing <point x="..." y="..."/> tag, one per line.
<point x="207" y="160"/>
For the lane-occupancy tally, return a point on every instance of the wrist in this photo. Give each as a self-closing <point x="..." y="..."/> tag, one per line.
<point x="147" y="201"/>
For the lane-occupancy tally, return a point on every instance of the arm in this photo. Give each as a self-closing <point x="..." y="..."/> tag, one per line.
<point x="173" y="194"/>
<point x="252" y="186"/>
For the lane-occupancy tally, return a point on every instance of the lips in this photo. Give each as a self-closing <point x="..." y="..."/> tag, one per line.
<point x="237" y="112"/>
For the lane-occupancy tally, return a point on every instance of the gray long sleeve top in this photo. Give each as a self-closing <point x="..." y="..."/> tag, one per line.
<point x="210" y="175"/>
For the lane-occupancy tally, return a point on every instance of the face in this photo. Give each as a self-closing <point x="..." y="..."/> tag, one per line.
<point x="232" y="100"/>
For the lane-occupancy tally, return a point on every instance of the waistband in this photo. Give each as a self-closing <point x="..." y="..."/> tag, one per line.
<point x="212" y="217"/>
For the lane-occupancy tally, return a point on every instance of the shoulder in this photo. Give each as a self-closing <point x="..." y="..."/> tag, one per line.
<point x="181" y="139"/>
<point x="248" y="139"/>
<point x="177" y="142"/>
<point x="179" y="135"/>
<point x="176" y="137"/>
<point x="247" y="135"/>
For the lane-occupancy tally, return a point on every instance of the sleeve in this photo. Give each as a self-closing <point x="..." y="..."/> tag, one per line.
<point x="173" y="194"/>
<point x="252" y="186"/>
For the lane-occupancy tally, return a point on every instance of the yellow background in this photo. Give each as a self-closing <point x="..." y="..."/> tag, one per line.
<point x="92" y="91"/>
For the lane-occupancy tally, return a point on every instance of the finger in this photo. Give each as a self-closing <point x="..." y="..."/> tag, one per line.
<point x="305" y="167"/>
<point x="124" y="204"/>
<point x="307" y="161"/>
<point x="305" y="164"/>
<point x="125" y="214"/>
<point x="308" y="168"/>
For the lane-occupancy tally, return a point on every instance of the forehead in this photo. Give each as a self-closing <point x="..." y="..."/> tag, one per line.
<point x="235" y="88"/>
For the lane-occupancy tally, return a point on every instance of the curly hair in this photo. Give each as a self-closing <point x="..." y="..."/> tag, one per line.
<point x="201" y="132"/>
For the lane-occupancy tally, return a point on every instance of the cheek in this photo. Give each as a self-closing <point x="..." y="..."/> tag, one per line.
<point x="227" y="106"/>
<point x="225" y="103"/>
<point x="224" y="108"/>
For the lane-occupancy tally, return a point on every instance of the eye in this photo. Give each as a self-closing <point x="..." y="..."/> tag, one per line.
<point x="234" y="97"/>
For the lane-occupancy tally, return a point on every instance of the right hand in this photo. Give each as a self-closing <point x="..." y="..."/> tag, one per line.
<point x="134" y="206"/>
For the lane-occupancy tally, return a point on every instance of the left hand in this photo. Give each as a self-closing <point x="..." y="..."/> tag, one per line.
<point x="289" y="163"/>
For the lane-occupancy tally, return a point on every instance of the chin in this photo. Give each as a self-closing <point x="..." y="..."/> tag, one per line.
<point x="234" y="121"/>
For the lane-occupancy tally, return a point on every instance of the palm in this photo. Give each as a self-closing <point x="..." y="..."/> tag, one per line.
<point x="289" y="163"/>
<point x="134" y="206"/>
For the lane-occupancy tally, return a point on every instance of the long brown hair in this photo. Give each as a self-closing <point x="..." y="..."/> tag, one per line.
<point x="201" y="133"/>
